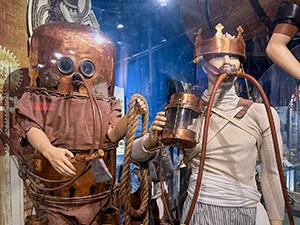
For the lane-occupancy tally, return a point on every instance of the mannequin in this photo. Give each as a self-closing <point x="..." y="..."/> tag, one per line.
<point x="228" y="191"/>
<point x="65" y="118"/>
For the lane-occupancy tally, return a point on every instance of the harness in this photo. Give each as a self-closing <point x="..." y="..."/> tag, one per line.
<point x="240" y="111"/>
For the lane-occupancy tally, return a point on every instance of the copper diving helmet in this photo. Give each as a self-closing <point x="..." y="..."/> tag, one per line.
<point x="62" y="53"/>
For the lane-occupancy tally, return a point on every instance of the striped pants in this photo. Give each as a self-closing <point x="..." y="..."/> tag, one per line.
<point x="205" y="214"/>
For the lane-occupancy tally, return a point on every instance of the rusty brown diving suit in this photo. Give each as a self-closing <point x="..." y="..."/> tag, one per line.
<point x="70" y="99"/>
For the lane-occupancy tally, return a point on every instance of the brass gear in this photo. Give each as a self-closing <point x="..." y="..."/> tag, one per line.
<point x="9" y="66"/>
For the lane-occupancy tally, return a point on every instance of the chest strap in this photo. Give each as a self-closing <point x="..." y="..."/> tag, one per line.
<point x="244" y="104"/>
<point x="241" y="125"/>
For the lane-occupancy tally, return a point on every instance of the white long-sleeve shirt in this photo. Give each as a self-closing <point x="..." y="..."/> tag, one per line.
<point x="233" y="152"/>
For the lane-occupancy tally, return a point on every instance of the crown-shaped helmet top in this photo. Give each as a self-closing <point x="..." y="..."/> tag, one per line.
<point x="220" y="44"/>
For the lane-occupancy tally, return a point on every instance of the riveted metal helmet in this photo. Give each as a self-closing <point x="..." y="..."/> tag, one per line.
<point x="63" y="54"/>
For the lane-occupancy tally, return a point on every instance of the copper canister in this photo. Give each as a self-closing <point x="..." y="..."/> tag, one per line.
<point x="183" y="120"/>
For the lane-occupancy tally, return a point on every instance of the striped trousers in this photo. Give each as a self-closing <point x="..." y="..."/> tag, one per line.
<point x="205" y="214"/>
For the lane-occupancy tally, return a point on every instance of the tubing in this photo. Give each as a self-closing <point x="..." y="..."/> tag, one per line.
<point x="25" y="170"/>
<point x="275" y="144"/>
<point x="203" y="151"/>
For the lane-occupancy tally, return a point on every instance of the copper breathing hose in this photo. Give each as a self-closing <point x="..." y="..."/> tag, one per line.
<point x="203" y="151"/>
<point x="86" y="168"/>
<point x="125" y="177"/>
<point x="204" y="145"/>
<point x="25" y="171"/>
<point x="275" y="144"/>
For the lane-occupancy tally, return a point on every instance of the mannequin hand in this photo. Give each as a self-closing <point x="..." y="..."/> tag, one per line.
<point x="59" y="159"/>
<point x="156" y="128"/>
<point x="141" y="105"/>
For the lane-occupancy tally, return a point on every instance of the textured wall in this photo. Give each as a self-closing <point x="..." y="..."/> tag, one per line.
<point x="13" y="56"/>
<point x="13" y="28"/>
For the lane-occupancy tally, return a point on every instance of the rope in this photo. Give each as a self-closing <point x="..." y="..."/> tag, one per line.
<point x="132" y="123"/>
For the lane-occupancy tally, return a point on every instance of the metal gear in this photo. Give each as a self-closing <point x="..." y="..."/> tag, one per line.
<point x="9" y="69"/>
<point x="44" y="11"/>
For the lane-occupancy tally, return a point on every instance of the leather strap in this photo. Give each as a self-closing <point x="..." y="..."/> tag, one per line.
<point x="245" y="103"/>
<point x="216" y="128"/>
<point x="286" y="28"/>
<point x="241" y="125"/>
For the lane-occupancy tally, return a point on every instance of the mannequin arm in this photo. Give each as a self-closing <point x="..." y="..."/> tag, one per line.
<point x="119" y="131"/>
<point x="58" y="157"/>
<point x="278" y="52"/>
<point x="276" y="222"/>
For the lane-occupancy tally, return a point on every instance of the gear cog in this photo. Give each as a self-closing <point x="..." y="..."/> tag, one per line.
<point x="9" y="68"/>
